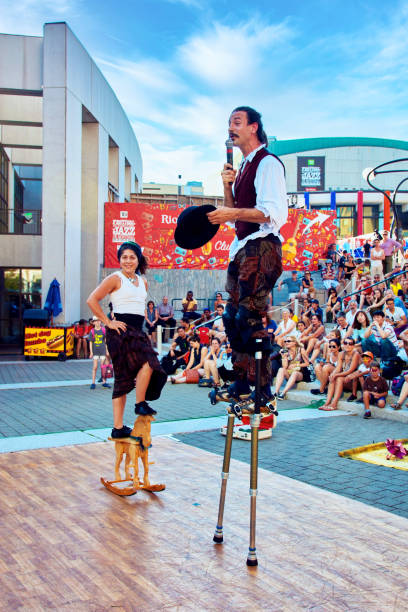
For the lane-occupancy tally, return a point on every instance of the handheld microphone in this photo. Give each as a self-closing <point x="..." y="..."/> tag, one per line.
<point x="229" y="143"/>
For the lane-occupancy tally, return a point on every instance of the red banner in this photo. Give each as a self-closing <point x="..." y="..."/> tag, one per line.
<point x="307" y="236"/>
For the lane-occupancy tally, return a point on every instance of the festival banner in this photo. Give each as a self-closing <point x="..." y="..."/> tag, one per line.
<point x="307" y="235"/>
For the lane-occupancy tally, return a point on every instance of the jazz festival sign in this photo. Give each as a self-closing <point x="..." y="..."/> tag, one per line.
<point x="306" y="237"/>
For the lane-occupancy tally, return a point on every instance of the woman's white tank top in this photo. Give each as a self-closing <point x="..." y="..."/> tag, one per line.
<point x="129" y="298"/>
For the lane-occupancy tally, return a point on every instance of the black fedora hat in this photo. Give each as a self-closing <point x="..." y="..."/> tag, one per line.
<point x="193" y="227"/>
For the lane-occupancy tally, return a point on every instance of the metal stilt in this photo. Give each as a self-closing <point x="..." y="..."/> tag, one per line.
<point x="218" y="535"/>
<point x="255" y="420"/>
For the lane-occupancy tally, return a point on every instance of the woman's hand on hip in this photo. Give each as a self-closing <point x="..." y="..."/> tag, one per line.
<point x="117" y="326"/>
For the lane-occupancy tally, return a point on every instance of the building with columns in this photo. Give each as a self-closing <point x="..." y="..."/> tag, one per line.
<point x="327" y="173"/>
<point x="66" y="147"/>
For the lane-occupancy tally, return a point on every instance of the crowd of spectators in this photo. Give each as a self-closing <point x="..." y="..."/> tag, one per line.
<point x="347" y="343"/>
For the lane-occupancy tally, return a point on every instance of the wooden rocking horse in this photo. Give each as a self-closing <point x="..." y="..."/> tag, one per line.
<point x="133" y="448"/>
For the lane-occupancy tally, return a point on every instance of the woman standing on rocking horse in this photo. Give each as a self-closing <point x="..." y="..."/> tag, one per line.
<point x="133" y="358"/>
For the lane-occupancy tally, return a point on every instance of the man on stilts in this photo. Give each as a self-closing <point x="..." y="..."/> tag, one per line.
<point x="255" y="201"/>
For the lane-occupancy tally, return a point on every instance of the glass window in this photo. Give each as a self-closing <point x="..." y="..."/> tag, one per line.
<point x="346" y="221"/>
<point x="370" y="219"/>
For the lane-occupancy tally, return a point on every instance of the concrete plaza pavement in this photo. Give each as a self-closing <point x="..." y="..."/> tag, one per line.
<point x="42" y="398"/>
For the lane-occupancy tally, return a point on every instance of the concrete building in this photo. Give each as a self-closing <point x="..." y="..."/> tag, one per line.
<point x="191" y="188"/>
<point x="66" y="147"/>
<point x="324" y="173"/>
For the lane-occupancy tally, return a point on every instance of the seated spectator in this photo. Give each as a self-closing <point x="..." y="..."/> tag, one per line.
<point x="402" y="396"/>
<point x="357" y="378"/>
<point x="397" y="300"/>
<point x="211" y="365"/>
<point x="295" y="366"/>
<point x="364" y="286"/>
<point x="269" y="324"/>
<point x="151" y="318"/>
<point x="332" y="253"/>
<point x="395" y="315"/>
<point x="299" y="331"/>
<point x="364" y="269"/>
<point x="350" y="311"/>
<point x="333" y="305"/>
<point x="344" y="328"/>
<point x="322" y="347"/>
<point x="206" y="318"/>
<point x="196" y="360"/>
<point x="329" y="276"/>
<point x="380" y="339"/>
<point x="218" y="301"/>
<point x="377" y="300"/>
<point x="226" y="371"/>
<point x="339" y="379"/>
<point x="166" y="316"/>
<point x="395" y="284"/>
<point x="189" y="306"/>
<point x="285" y="327"/>
<point x="316" y="309"/>
<point x="306" y="311"/>
<point x="218" y="329"/>
<point x="359" y="326"/>
<point x="307" y="288"/>
<point x="313" y="334"/>
<point x="81" y="331"/>
<point x="324" y="368"/>
<point x="180" y="346"/>
<point x="187" y="325"/>
<point x="293" y="283"/>
<point x="375" y="389"/>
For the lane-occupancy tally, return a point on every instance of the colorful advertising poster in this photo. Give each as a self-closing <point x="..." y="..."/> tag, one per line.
<point x="307" y="235"/>
<point x="310" y="173"/>
<point x="48" y="342"/>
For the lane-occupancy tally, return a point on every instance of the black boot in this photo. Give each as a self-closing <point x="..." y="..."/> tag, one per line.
<point x="144" y="409"/>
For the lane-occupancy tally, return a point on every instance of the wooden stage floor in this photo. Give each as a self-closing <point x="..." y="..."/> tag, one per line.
<point x="69" y="544"/>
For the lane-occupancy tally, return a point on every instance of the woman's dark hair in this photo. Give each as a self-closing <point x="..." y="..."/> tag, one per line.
<point x="254" y="117"/>
<point x="195" y="338"/>
<point x="332" y="291"/>
<point x="133" y="246"/>
<point x="380" y="290"/>
<point x="317" y="315"/>
<point x="150" y="302"/>
<point x="357" y="324"/>
<point x="217" y="339"/>
<point x="336" y="341"/>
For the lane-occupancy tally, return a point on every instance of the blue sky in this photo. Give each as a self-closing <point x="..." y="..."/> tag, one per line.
<point x="312" y="68"/>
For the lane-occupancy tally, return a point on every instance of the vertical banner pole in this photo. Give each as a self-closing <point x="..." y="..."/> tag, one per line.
<point x="360" y="206"/>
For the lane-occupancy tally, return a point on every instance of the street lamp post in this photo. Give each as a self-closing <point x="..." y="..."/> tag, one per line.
<point x="370" y="173"/>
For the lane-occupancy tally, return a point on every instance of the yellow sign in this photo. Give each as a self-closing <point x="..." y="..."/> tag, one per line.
<point x="48" y="342"/>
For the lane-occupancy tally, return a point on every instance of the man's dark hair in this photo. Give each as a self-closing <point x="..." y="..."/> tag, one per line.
<point x="379" y="313"/>
<point x="375" y="364"/>
<point x="340" y="314"/>
<point x="220" y="306"/>
<point x="254" y="117"/>
<point x="180" y="327"/>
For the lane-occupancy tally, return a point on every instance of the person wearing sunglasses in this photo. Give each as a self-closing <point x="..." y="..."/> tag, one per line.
<point x="325" y="368"/>
<point x="340" y="379"/>
<point x="294" y="366"/>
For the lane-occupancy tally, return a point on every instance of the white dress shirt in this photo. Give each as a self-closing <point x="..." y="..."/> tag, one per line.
<point x="271" y="198"/>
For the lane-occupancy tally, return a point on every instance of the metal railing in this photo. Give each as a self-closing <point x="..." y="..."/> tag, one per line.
<point x="20" y="222"/>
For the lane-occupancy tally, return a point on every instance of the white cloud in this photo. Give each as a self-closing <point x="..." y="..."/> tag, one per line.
<point x="224" y="55"/>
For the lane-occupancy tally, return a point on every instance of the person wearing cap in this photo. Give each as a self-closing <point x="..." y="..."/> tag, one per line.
<point x="134" y="360"/>
<point x="98" y="351"/>
<point x="255" y="201"/>
<point x="390" y="247"/>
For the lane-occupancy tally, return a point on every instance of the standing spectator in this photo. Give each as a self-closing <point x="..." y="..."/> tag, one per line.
<point x="390" y="247"/>
<point x="97" y="350"/>
<point x="367" y="249"/>
<point x="380" y="338"/>
<point x="375" y="389"/>
<point x="341" y="266"/>
<point x="349" y="267"/>
<point x="151" y="318"/>
<point x="293" y="283"/>
<point x="396" y="316"/>
<point x="189" y="305"/>
<point x="166" y="316"/>
<point x="377" y="258"/>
